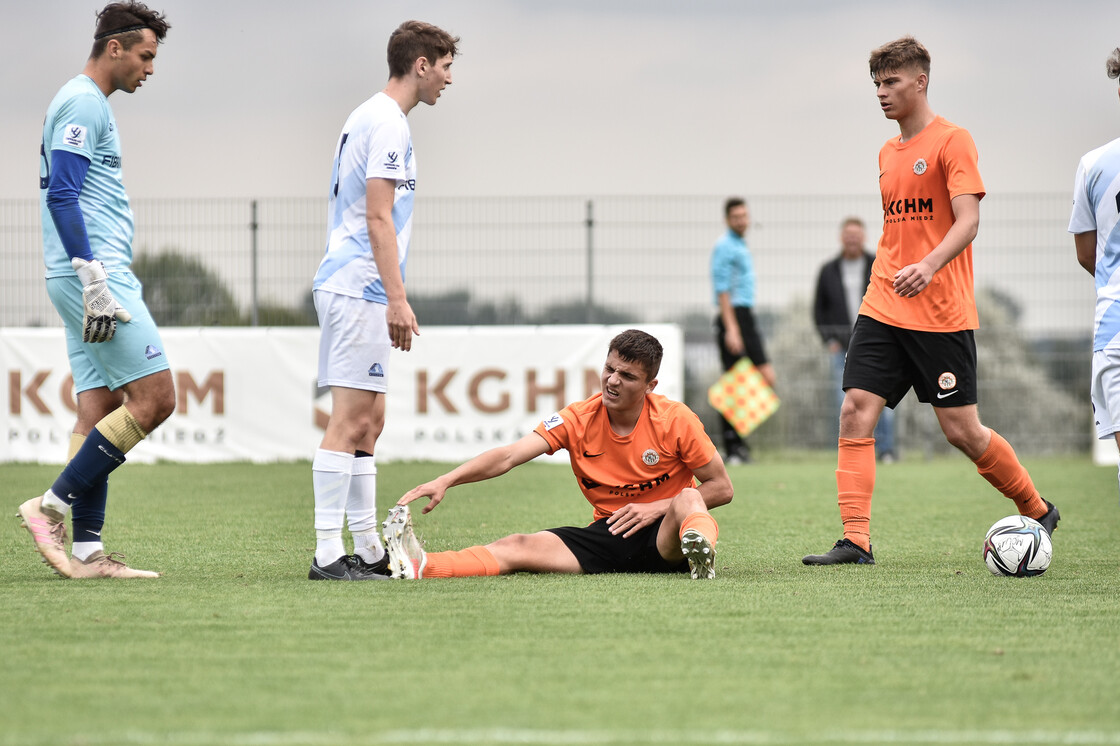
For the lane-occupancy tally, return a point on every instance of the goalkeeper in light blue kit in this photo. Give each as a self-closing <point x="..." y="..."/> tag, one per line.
<point x="121" y="377"/>
<point x="1095" y="225"/>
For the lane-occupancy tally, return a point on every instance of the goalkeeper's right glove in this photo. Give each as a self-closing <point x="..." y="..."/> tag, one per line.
<point x="101" y="309"/>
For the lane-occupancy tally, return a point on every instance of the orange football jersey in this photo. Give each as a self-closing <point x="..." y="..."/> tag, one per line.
<point x="918" y="180"/>
<point x="653" y="462"/>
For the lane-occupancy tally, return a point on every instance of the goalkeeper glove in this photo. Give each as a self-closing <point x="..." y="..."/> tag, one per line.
<point x="101" y="309"/>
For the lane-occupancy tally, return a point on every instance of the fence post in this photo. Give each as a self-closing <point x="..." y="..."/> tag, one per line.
<point x="254" y="312"/>
<point x="590" y="262"/>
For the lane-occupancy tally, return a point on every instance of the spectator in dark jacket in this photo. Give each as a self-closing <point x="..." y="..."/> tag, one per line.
<point x="840" y="287"/>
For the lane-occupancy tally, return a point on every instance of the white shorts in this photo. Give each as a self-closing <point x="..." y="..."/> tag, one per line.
<point x="1106" y="392"/>
<point x="353" y="342"/>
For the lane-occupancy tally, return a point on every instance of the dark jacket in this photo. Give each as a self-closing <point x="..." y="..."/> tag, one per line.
<point x="830" y="311"/>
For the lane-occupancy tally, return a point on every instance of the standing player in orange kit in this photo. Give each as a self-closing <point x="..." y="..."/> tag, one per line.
<point x="637" y="457"/>
<point x="917" y="321"/>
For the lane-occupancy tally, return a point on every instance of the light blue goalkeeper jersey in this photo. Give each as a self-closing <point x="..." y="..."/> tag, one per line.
<point x="375" y="143"/>
<point x="80" y="120"/>
<point x="1096" y="207"/>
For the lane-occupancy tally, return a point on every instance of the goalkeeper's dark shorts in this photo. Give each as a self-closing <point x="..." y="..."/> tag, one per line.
<point x="888" y="361"/>
<point x="600" y="551"/>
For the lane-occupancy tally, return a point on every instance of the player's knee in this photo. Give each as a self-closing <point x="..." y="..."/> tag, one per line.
<point x="689" y="501"/>
<point x="965" y="435"/>
<point x="511" y="550"/>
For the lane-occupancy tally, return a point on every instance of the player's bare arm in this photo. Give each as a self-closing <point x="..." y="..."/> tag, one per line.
<point x="383" y="239"/>
<point x="732" y="337"/>
<point x="715" y="487"/>
<point x="1086" y="244"/>
<point x="914" y="278"/>
<point x="486" y="465"/>
<point x="715" y="484"/>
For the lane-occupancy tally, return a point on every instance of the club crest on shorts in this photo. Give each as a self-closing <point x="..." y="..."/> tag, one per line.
<point x="920" y="166"/>
<point x="947" y="381"/>
<point x="650" y="457"/>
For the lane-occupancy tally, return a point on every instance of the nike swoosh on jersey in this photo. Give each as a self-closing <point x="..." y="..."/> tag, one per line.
<point x="592" y="455"/>
<point x="944" y="394"/>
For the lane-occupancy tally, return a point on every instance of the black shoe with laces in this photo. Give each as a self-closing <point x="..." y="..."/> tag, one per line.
<point x="380" y="567"/>
<point x="1050" y="520"/>
<point x="347" y="567"/>
<point x="843" y="552"/>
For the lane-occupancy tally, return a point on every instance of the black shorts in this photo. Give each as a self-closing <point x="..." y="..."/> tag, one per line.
<point x="752" y="340"/>
<point x="599" y="551"/>
<point x="889" y="361"/>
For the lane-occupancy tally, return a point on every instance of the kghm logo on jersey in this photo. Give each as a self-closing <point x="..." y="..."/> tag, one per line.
<point x="650" y="457"/>
<point x="920" y="166"/>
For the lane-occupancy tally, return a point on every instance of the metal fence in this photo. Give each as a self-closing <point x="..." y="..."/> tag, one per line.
<point x="641" y="259"/>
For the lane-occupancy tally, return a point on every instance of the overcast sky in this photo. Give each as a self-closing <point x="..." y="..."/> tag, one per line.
<point x="591" y="97"/>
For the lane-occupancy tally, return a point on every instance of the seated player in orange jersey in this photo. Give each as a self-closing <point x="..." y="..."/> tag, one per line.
<point x="643" y="461"/>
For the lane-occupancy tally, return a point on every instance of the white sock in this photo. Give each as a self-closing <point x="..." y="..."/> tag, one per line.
<point x="361" y="509"/>
<point x="368" y="546"/>
<point x="51" y="501"/>
<point x="330" y="478"/>
<point x="81" y="550"/>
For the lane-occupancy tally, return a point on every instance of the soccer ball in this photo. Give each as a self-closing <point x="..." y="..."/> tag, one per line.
<point x="1017" y="546"/>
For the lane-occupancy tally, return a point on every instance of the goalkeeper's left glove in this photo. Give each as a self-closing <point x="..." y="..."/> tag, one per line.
<point x="101" y="309"/>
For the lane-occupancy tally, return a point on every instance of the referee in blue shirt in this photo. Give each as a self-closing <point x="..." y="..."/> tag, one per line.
<point x="733" y="284"/>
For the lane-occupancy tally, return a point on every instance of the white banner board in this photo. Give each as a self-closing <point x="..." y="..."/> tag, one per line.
<point x="250" y="394"/>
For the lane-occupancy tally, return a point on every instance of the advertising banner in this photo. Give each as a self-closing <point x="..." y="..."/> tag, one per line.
<point x="245" y="394"/>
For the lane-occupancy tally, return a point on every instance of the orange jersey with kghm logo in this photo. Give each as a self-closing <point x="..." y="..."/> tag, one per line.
<point x="918" y="180"/>
<point x="653" y="462"/>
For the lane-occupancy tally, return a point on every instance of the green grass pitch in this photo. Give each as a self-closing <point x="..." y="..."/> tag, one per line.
<point x="234" y="646"/>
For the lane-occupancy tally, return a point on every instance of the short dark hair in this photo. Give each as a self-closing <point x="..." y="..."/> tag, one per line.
<point x="636" y="346"/>
<point x="126" y="22"/>
<point x="1112" y="64"/>
<point x="906" y="53"/>
<point x="851" y="220"/>
<point x="732" y="203"/>
<point x="415" y="39"/>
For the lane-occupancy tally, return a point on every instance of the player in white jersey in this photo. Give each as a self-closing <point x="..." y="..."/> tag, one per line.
<point x="1095" y="223"/>
<point x="121" y="377"/>
<point x="360" y="296"/>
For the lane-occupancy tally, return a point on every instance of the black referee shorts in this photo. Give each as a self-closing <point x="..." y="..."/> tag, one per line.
<point x="889" y="361"/>
<point x="600" y="551"/>
<point x="748" y="331"/>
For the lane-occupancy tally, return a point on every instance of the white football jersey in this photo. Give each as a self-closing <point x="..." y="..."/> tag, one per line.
<point x="375" y="144"/>
<point x="1096" y="207"/>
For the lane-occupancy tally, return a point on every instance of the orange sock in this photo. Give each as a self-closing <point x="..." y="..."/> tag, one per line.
<point x="703" y="523"/>
<point x="1000" y="466"/>
<point x="855" y="481"/>
<point x="466" y="563"/>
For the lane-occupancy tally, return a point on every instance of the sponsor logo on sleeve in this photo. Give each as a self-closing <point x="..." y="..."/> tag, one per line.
<point x="554" y="421"/>
<point x="74" y="135"/>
